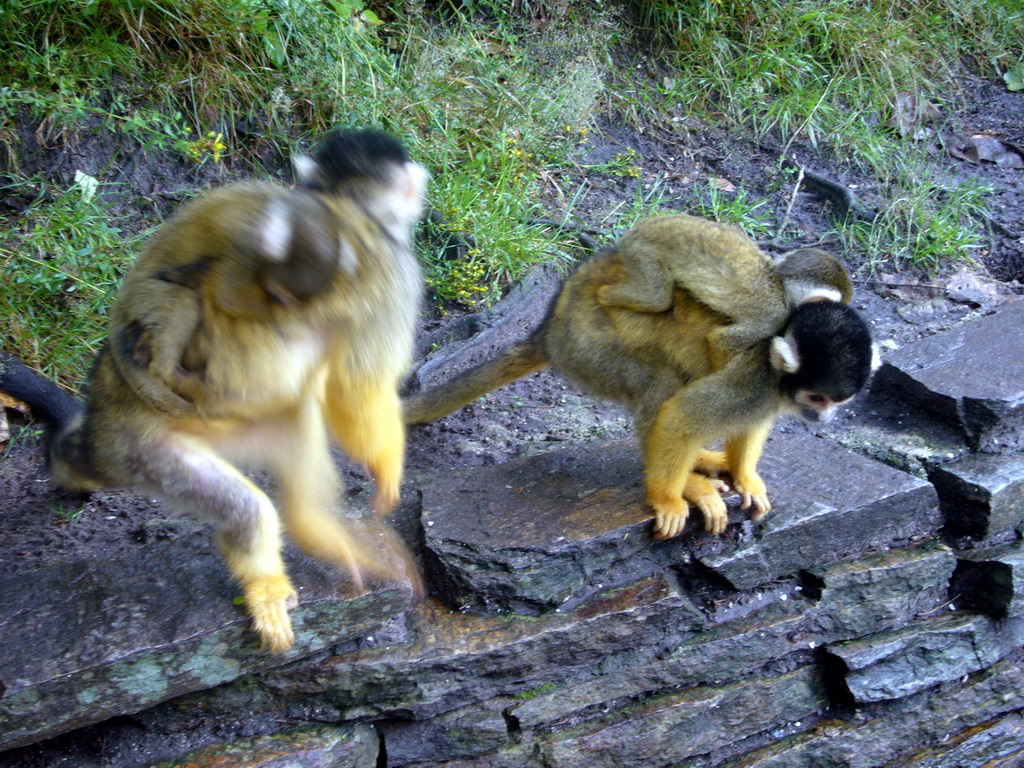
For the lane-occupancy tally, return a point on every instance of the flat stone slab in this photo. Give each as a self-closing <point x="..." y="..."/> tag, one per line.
<point x="346" y="746"/>
<point x="971" y="376"/>
<point x="981" y="496"/>
<point x="668" y="729"/>
<point x="868" y="595"/>
<point x="540" y="531"/>
<point x="931" y="717"/>
<point x="460" y="659"/>
<point x="535" y="532"/>
<point x="891" y="665"/>
<point x="91" y="639"/>
<point x="881" y="590"/>
<point x="828" y="504"/>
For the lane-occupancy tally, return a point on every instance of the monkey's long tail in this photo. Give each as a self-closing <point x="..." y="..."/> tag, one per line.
<point x="47" y="400"/>
<point x="514" y="363"/>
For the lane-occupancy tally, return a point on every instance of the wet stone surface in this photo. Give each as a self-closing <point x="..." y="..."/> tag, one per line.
<point x="827" y="504"/>
<point x="544" y="530"/>
<point x="536" y="532"/>
<point x="969" y="376"/>
<point x="324" y="747"/>
<point x="895" y="664"/>
<point x="981" y="496"/>
<point x="115" y="637"/>
<point x="876" y="737"/>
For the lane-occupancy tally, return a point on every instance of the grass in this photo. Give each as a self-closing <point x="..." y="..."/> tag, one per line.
<point x="832" y="73"/>
<point x="61" y="261"/>
<point x="494" y="98"/>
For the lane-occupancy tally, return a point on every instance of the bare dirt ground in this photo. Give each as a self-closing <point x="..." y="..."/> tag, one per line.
<point x="40" y="526"/>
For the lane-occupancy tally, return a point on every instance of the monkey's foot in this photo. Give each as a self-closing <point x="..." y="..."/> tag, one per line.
<point x="669" y="518"/>
<point x="703" y="493"/>
<point x="268" y="600"/>
<point x="754" y="492"/>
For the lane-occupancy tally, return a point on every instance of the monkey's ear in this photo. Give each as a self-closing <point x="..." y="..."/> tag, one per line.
<point x="876" y="357"/>
<point x="784" y="356"/>
<point x="405" y="201"/>
<point x="803" y="291"/>
<point x="416" y="185"/>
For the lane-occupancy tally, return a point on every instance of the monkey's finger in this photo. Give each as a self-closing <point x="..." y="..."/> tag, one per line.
<point x="347" y="555"/>
<point x="395" y="563"/>
<point x="383" y="503"/>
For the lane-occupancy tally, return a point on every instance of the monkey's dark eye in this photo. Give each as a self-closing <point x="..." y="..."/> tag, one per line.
<point x="817" y="398"/>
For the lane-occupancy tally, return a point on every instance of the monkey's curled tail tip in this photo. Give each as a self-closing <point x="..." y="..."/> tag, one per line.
<point x="47" y="400"/>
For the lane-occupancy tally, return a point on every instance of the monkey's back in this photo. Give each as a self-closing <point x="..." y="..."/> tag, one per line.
<point x="714" y="262"/>
<point x="625" y="356"/>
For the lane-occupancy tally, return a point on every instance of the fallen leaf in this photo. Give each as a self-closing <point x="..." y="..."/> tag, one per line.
<point x="986" y="148"/>
<point x="966" y="287"/>
<point x="723" y="184"/>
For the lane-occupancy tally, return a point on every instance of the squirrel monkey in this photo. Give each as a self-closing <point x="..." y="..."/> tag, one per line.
<point x="691" y="326"/>
<point x="724" y="270"/>
<point x="256" y="316"/>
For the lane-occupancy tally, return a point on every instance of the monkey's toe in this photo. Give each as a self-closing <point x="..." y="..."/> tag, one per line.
<point x="669" y="523"/>
<point x="384" y="500"/>
<point x="761" y="506"/>
<point x="268" y="600"/>
<point x="715" y="514"/>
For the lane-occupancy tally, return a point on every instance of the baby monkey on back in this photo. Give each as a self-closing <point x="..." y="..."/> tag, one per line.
<point x="702" y="336"/>
<point x="256" y="315"/>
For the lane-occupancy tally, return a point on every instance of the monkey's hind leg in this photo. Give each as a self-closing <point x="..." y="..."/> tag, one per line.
<point x="366" y="420"/>
<point x="191" y="476"/>
<point x="310" y="489"/>
<point x="647" y="288"/>
<point x="742" y="452"/>
<point x="671" y="454"/>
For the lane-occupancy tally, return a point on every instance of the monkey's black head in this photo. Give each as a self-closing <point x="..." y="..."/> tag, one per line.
<point x="346" y="156"/>
<point x="826" y="356"/>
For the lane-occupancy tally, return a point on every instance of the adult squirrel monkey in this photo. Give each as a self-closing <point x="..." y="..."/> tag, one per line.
<point x="256" y="315"/>
<point x="692" y="327"/>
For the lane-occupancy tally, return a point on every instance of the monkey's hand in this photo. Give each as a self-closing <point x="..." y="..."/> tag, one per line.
<point x="703" y="492"/>
<point x="754" y="492"/>
<point x="268" y="600"/>
<point x="385" y="499"/>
